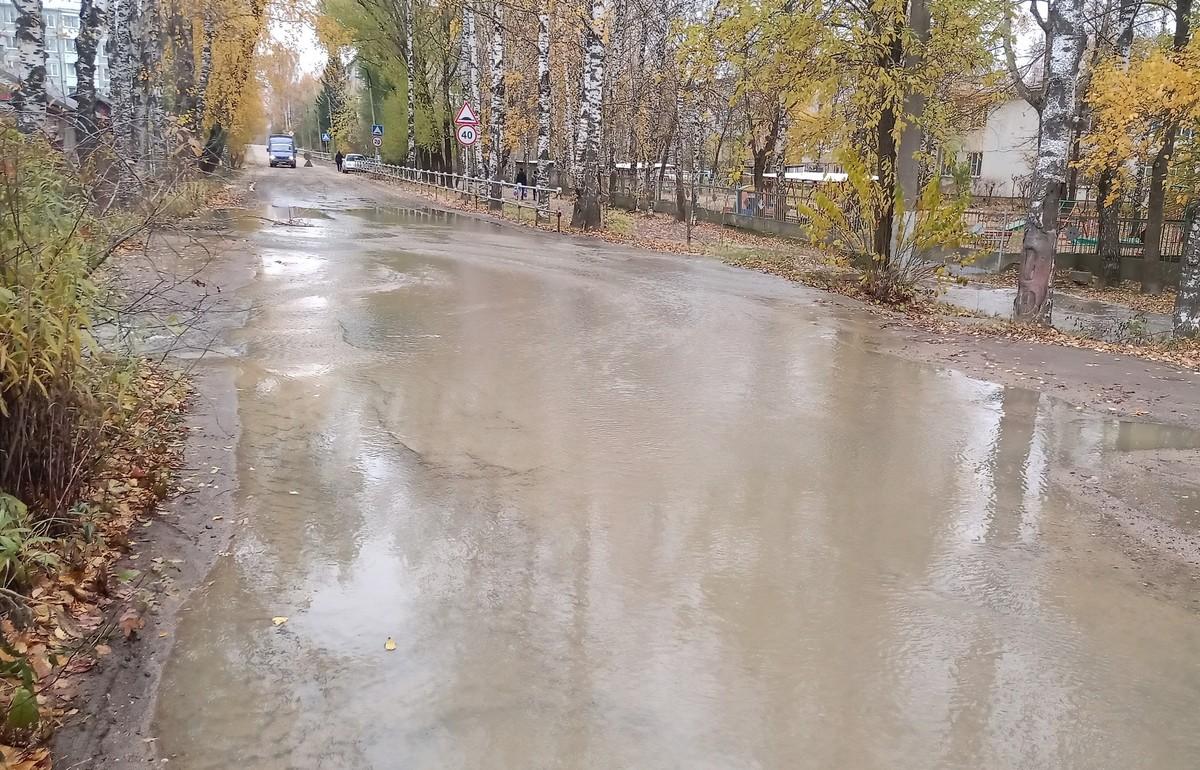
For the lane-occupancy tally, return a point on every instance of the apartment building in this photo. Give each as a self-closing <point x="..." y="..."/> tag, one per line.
<point x="62" y="27"/>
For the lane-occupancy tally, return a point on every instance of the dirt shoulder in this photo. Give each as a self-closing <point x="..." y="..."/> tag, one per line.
<point x="193" y="274"/>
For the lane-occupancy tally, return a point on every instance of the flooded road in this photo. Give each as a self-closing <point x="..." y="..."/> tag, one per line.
<point x="624" y="510"/>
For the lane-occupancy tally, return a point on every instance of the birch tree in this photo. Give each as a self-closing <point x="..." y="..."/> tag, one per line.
<point x="1107" y="165"/>
<point x="93" y="19"/>
<point x="497" y="157"/>
<point x="410" y="90"/>
<point x="122" y="72"/>
<point x="1152" y="280"/>
<point x="471" y="49"/>
<point x="29" y="99"/>
<point x="1187" y="301"/>
<point x="541" y="178"/>
<point x="586" y="212"/>
<point x="1067" y="38"/>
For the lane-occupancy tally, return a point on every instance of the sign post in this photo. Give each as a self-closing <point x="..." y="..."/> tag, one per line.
<point x="377" y="138"/>
<point x="467" y="121"/>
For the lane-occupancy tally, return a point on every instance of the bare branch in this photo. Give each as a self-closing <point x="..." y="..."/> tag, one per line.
<point x="1010" y="60"/>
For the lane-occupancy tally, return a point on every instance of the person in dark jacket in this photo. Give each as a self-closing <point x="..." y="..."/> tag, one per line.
<point x="522" y="183"/>
<point x="338" y="160"/>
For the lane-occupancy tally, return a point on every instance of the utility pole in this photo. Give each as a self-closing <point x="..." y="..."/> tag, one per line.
<point x="371" y="99"/>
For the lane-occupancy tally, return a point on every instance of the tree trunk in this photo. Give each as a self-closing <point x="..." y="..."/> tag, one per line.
<point x="1108" y="215"/>
<point x="912" y="138"/>
<point x="1034" y="298"/>
<point x="680" y="196"/>
<point x="183" y="57"/>
<point x="541" y="178"/>
<point x="666" y="158"/>
<point x="472" y="48"/>
<point x="411" y="150"/>
<point x="122" y="73"/>
<point x="152" y="78"/>
<point x="497" y="156"/>
<point x="885" y="170"/>
<point x="716" y="160"/>
<point x="1187" y="301"/>
<point x="29" y="98"/>
<point x="1108" y="247"/>
<point x="586" y="213"/>
<point x="92" y="22"/>
<point x="1152" y="281"/>
<point x="205" y="71"/>
<point x="697" y="142"/>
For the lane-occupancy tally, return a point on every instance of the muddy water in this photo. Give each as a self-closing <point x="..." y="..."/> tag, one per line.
<point x="631" y="511"/>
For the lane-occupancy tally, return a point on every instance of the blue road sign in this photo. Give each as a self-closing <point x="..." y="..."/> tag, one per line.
<point x="376" y="129"/>
<point x="324" y="137"/>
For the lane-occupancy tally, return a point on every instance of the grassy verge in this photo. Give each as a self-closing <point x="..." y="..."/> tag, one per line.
<point x="90" y="437"/>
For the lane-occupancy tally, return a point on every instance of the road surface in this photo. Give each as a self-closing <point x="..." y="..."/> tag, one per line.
<point x="618" y="509"/>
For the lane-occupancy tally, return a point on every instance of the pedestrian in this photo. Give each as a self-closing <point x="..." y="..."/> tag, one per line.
<point x="522" y="182"/>
<point x="338" y="160"/>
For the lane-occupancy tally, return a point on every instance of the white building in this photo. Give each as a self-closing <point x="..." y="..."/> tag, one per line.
<point x="1000" y="154"/>
<point x="62" y="26"/>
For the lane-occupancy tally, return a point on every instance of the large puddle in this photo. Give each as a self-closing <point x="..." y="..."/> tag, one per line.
<point x="645" y="512"/>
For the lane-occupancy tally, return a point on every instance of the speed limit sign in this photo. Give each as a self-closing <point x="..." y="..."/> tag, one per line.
<point x="468" y="135"/>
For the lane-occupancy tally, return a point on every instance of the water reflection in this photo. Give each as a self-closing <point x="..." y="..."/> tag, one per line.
<point x="649" y="518"/>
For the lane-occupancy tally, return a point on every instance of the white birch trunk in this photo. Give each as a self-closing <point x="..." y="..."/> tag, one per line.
<point x="496" y="155"/>
<point x="543" y="140"/>
<point x="1034" y="301"/>
<point x="123" y="69"/>
<point x="151" y="83"/>
<point x="586" y="213"/>
<point x="409" y="26"/>
<point x="29" y="100"/>
<point x="472" y="45"/>
<point x="93" y="20"/>
<point x="1187" y="301"/>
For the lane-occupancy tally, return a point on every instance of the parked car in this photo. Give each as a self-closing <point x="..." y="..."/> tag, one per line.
<point x="281" y="150"/>
<point x="354" y="162"/>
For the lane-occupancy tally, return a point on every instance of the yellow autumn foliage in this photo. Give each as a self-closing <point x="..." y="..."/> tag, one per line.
<point x="1132" y="106"/>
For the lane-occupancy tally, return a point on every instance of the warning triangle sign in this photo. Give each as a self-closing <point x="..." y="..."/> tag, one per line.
<point x="466" y="116"/>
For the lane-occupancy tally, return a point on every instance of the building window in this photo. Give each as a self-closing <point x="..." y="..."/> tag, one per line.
<point x="53" y="67"/>
<point x="71" y="22"/>
<point x="975" y="163"/>
<point x="69" y="44"/>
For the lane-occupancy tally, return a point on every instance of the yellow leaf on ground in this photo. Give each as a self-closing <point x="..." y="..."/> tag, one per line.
<point x="279" y="620"/>
<point x="390" y="644"/>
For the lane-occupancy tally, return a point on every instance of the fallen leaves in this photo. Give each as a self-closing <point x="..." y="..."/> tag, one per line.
<point x="25" y="759"/>
<point x="131" y="622"/>
<point x="279" y="620"/>
<point x="390" y="644"/>
<point x="72" y="612"/>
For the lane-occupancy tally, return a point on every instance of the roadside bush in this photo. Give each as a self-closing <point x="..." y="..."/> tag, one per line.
<point x="46" y="299"/>
<point x="844" y="217"/>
